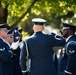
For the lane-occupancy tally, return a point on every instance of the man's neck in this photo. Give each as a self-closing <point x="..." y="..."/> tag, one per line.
<point x="37" y="31"/>
<point x="68" y="37"/>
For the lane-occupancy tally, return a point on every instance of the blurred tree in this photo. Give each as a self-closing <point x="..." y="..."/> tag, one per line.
<point x="3" y="13"/>
<point x="20" y="12"/>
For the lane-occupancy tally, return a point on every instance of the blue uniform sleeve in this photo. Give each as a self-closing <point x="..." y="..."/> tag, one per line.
<point x="57" y="40"/>
<point x="23" y="57"/>
<point x="71" y="51"/>
<point x="5" y="55"/>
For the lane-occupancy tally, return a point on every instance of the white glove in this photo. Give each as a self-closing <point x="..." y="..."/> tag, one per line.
<point x="14" y="45"/>
<point x="47" y="31"/>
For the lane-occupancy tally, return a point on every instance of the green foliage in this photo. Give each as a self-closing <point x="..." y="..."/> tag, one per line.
<point x="25" y="35"/>
<point x="51" y="10"/>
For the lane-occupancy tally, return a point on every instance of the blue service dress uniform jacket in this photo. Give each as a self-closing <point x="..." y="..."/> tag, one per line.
<point x="67" y="60"/>
<point x="5" y="59"/>
<point x="40" y="48"/>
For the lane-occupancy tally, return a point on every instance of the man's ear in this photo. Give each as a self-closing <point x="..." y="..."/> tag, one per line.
<point x="33" y="27"/>
<point x="43" y="27"/>
<point x="0" y="31"/>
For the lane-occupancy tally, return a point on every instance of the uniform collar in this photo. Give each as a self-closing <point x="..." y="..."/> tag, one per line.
<point x="5" y="41"/>
<point x="2" y="39"/>
<point x="8" y="44"/>
<point x="38" y="32"/>
<point x="69" y="38"/>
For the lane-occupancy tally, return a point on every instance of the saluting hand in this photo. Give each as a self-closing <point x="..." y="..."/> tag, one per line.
<point x="15" y="44"/>
<point x="16" y="35"/>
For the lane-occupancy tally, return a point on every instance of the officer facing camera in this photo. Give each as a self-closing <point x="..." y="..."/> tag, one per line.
<point x="16" y="36"/>
<point x="13" y="37"/>
<point x="67" y="60"/>
<point x="10" y="37"/>
<point x="39" y="47"/>
<point x="5" y="52"/>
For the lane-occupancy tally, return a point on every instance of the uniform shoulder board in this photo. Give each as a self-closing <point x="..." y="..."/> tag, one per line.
<point x="71" y="43"/>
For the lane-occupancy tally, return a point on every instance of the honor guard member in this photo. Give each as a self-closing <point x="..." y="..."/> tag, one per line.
<point x="40" y="48"/>
<point x="10" y="37"/>
<point x="55" y="59"/>
<point x="5" y="53"/>
<point x="67" y="60"/>
<point x="16" y="53"/>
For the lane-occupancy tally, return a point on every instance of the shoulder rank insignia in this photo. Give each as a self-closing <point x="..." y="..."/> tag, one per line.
<point x="2" y="49"/>
<point x="71" y="52"/>
<point x="71" y="43"/>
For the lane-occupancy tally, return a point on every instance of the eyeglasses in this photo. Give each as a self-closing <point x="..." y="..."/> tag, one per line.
<point x="5" y="29"/>
<point x="10" y="35"/>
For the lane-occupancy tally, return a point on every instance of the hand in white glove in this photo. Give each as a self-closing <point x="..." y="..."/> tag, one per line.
<point x="47" y="31"/>
<point x="17" y="35"/>
<point x="15" y="44"/>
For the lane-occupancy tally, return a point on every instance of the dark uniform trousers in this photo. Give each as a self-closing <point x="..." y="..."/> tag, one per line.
<point x="67" y="60"/>
<point x="5" y="59"/>
<point x="55" y="60"/>
<point x="16" y="62"/>
<point x="40" y="48"/>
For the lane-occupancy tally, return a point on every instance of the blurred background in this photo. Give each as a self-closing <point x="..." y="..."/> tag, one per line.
<point x="20" y="12"/>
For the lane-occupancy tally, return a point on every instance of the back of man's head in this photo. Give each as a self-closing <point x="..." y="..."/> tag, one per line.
<point x="38" y="28"/>
<point x="38" y="24"/>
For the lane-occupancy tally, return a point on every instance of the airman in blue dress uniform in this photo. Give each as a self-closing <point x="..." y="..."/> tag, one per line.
<point x="40" y="48"/>
<point x="16" y="53"/>
<point x="5" y="53"/>
<point x="67" y="60"/>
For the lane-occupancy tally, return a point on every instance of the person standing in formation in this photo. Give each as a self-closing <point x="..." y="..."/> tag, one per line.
<point x="67" y="60"/>
<point x="16" y="52"/>
<point x="40" y="48"/>
<point x="5" y="52"/>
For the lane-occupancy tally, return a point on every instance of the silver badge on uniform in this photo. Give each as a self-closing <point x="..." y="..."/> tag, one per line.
<point x="63" y="50"/>
<point x="17" y="38"/>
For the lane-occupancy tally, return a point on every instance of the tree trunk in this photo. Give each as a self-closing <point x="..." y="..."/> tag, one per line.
<point x="16" y="23"/>
<point x="3" y="13"/>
